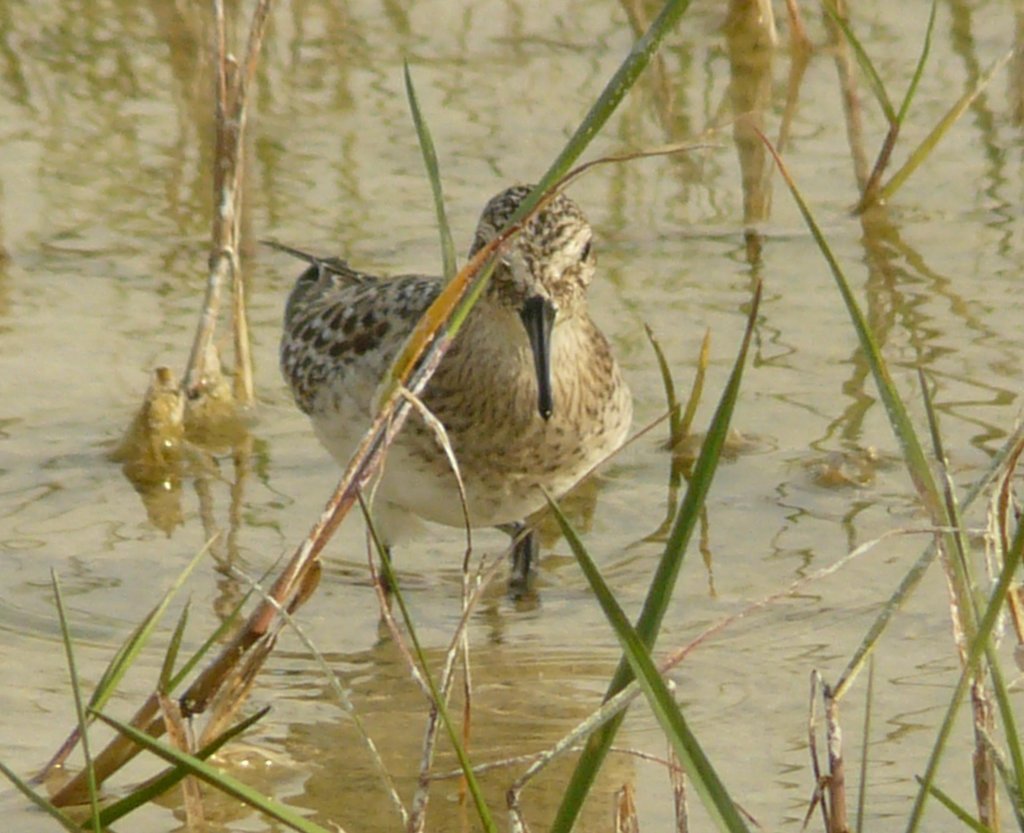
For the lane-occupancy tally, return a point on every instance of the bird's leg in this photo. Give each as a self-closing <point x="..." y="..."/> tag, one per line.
<point x="385" y="571"/>
<point x="525" y="549"/>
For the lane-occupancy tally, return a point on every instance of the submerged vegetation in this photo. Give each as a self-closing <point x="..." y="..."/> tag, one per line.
<point x="215" y="680"/>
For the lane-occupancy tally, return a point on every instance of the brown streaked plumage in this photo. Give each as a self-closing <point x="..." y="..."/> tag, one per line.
<point x="529" y="392"/>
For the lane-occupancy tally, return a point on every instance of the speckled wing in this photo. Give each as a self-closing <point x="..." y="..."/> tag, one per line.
<point x="342" y="328"/>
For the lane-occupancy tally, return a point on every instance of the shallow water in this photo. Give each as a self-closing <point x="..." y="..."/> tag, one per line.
<point x="105" y="208"/>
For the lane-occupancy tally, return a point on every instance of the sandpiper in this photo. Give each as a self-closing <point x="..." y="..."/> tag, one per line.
<point x="529" y="392"/>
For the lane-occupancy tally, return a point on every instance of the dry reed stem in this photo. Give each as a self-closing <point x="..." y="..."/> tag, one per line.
<point x="416" y="820"/>
<point x="839" y="821"/>
<point x="244" y="387"/>
<point x="983" y="765"/>
<point x="232" y="99"/>
<point x="420" y="800"/>
<point x="626" y="820"/>
<point x="982" y="709"/>
<point x="798" y="39"/>
<point x="343" y="698"/>
<point x="177" y="734"/>
<point x="1002" y="519"/>
<point x="677" y="780"/>
<point x="819" y="795"/>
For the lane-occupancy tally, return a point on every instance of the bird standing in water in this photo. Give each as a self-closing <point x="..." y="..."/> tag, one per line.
<point x="529" y="392"/>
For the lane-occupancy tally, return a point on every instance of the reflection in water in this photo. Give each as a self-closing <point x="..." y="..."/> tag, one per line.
<point x="161" y="449"/>
<point x="151" y="451"/>
<point x="751" y="40"/>
<point x="105" y="205"/>
<point x="521" y="705"/>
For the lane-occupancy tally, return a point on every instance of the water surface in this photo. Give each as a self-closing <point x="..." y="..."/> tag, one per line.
<point x="105" y="209"/>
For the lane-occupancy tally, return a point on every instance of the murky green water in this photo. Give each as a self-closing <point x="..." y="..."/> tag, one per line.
<point x="105" y="210"/>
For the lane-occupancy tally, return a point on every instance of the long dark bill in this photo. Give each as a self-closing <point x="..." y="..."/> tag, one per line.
<point x="538" y="316"/>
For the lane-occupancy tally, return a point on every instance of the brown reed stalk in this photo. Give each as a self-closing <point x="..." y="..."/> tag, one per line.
<point x="838" y="819"/>
<point x="232" y="100"/>
<point x="626" y="820"/>
<point x="178" y="734"/>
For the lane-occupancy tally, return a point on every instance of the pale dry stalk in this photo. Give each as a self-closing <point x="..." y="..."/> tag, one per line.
<point x="232" y="99"/>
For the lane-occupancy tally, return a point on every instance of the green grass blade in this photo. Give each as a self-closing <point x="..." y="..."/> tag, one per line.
<point x="919" y="69"/>
<point x="1014" y="780"/>
<point x="663" y="583"/>
<point x="220" y="780"/>
<point x="76" y="689"/>
<point x="912" y="579"/>
<point x="139" y="637"/>
<point x="448" y="260"/>
<point x="962" y="815"/>
<point x="906" y="587"/>
<point x="162" y="783"/>
<point x="675" y="415"/>
<point x="865" y="746"/>
<point x="702" y="774"/>
<point x="472" y="783"/>
<point x="173" y="647"/>
<point x="960" y="546"/>
<point x="979" y="645"/>
<point x="40" y="802"/>
<point x="913" y="453"/>
<point x="866" y="64"/>
<point x="928" y="144"/>
<point x="697" y="388"/>
<point x="214" y="638"/>
<point x="615" y="90"/>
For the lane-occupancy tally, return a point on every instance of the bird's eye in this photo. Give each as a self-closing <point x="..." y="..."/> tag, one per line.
<point x="585" y="254"/>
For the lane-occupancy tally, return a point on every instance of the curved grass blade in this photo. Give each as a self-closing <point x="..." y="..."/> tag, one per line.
<point x="702" y="774"/>
<point x="866" y="64"/>
<point x="450" y="266"/>
<point x="979" y="645"/>
<point x="675" y="415"/>
<point x="615" y="90"/>
<point x="912" y="451"/>
<point x="919" y="69"/>
<point x="928" y="144"/>
<point x="1013" y="782"/>
<point x="163" y="782"/>
<point x="80" y="711"/>
<point x="139" y="637"/>
<point x="230" y="622"/>
<point x="663" y="583"/>
<point x="961" y="552"/>
<point x="865" y="747"/>
<point x="697" y="388"/>
<point x="220" y="780"/>
<point x="173" y="647"/>
<point x="960" y="546"/>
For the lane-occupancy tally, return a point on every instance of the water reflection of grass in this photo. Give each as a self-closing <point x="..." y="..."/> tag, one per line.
<point x="974" y="612"/>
